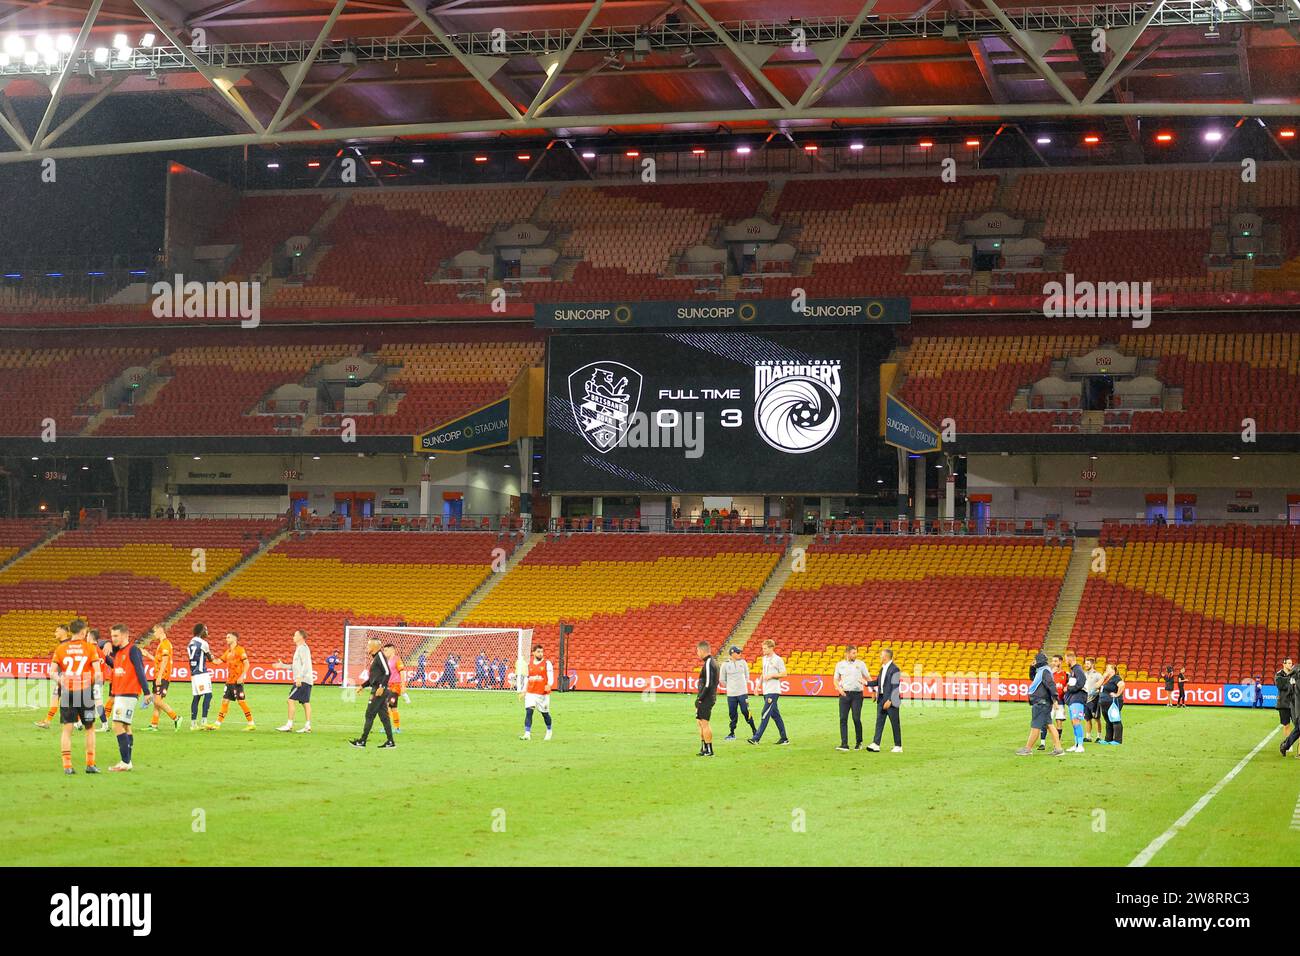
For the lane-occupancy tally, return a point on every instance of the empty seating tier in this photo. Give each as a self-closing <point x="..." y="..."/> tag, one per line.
<point x="133" y="572"/>
<point x="324" y="581"/>
<point x="1222" y="601"/>
<point x="952" y="606"/>
<point x="637" y="602"/>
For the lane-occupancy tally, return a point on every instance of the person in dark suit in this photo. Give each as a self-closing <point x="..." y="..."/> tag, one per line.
<point x="887" y="701"/>
<point x="377" y="704"/>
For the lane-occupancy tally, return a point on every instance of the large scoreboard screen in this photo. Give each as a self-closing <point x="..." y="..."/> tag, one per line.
<point x="703" y="412"/>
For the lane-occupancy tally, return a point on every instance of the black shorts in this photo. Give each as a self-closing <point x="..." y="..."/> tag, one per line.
<point x="704" y="707"/>
<point x="77" y="707"/>
<point x="160" y="687"/>
<point x="1040" y="715"/>
<point x="233" y="692"/>
<point x="301" y="693"/>
<point x="1091" y="709"/>
<point x="1284" y="715"/>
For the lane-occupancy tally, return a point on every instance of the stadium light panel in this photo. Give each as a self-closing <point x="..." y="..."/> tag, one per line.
<point x="925" y="144"/>
<point x="480" y="159"/>
<point x="109" y="458"/>
<point x="632" y="153"/>
<point x="417" y="161"/>
<point x="30" y="57"/>
<point x="101" y="54"/>
<point x="146" y="41"/>
<point x="698" y="151"/>
<point x="1164" y="137"/>
<point x="1245" y="5"/>
<point x="1092" y="139"/>
<point x="1286" y="134"/>
<point x="1221" y="5"/>
<point x="13" y="275"/>
<point x="743" y="150"/>
<point x="15" y="45"/>
<point x="64" y="43"/>
<point x="588" y="155"/>
<point x="54" y="275"/>
<point x="314" y="164"/>
<point x="376" y="162"/>
<point x="43" y="42"/>
<point x="810" y="147"/>
<point x="523" y="157"/>
<point x="1213" y="135"/>
<point x="1044" y="141"/>
<point x="972" y="143"/>
<point x="4" y="59"/>
<point x="272" y="165"/>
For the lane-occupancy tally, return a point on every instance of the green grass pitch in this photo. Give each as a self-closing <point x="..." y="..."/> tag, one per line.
<point x="620" y="784"/>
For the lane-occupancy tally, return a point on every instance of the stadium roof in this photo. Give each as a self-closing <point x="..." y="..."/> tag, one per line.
<point x="296" y="71"/>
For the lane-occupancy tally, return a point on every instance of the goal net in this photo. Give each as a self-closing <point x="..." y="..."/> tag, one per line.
<point x="469" y="658"/>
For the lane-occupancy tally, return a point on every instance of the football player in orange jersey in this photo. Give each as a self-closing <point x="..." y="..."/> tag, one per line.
<point x="162" y="678"/>
<point x="536" y="694"/>
<point x="130" y="687"/>
<point x="76" y="669"/>
<point x="236" y="660"/>
<point x="394" y="686"/>
<point x="60" y="635"/>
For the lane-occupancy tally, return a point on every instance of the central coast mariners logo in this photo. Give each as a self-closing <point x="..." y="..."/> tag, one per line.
<point x="797" y="404"/>
<point x="604" y="397"/>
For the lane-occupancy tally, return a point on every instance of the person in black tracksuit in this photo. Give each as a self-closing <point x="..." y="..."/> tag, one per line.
<point x="377" y="681"/>
<point x="1282" y="681"/>
<point x="706" y="698"/>
<point x="1288" y="702"/>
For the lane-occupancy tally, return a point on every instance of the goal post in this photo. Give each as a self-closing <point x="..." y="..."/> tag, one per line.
<point x="465" y="658"/>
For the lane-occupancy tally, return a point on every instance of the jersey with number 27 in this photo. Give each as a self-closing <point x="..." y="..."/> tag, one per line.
<point x="76" y="660"/>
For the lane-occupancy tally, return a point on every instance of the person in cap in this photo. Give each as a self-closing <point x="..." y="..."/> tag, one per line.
<point x="734" y="675"/>
<point x="1042" y="697"/>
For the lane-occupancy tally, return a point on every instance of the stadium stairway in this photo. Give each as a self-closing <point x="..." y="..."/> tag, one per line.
<point x="1071" y="596"/>
<point x="762" y="602"/>
<point x="23" y="552"/>
<point x="491" y="581"/>
<point x="220" y="582"/>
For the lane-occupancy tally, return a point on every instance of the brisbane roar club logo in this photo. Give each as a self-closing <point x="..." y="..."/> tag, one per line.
<point x="604" y="396"/>
<point x="797" y="404"/>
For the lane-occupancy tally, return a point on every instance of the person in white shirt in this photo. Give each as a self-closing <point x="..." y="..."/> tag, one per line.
<point x="850" y="676"/>
<point x="303" y="678"/>
<point x="734" y="675"/>
<point x="773" y="672"/>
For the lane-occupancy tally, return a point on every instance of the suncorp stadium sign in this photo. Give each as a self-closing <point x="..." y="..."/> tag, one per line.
<point x="486" y="427"/>
<point x="666" y="315"/>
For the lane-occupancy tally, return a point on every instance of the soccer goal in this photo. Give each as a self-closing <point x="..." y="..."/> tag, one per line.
<point x="468" y="658"/>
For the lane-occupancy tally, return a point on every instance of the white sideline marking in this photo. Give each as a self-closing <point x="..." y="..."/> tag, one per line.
<point x="1295" y="816"/>
<point x="1143" y="858"/>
